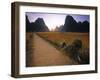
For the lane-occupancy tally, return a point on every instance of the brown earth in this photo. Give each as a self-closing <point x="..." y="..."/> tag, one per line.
<point x="45" y="54"/>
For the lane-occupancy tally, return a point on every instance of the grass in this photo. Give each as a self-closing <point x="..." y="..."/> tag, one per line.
<point x="56" y="38"/>
<point x="67" y="37"/>
<point x="29" y="48"/>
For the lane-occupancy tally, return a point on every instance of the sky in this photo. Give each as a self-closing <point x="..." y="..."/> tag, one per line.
<point x="52" y="20"/>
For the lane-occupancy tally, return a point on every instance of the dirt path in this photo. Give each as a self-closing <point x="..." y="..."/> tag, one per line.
<point x="45" y="54"/>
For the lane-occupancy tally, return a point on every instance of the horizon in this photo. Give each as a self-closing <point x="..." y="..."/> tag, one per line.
<point x="53" y="20"/>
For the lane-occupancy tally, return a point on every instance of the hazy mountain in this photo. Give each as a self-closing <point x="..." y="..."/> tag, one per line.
<point x="37" y="26"/>
<point x="28" y="25"/>
<point x="85" y="26"/>
<point x="72" y="26"/>
<point x="59" y="28"/>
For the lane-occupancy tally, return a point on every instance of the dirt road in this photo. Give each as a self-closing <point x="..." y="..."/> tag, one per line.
<point x="45" y="54"/>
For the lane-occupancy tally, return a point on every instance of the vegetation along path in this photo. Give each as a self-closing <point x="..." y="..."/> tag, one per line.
<point x="45" y="54"/>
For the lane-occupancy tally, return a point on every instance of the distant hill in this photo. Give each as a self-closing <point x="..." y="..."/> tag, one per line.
<point x="37" y="26"/>
<point x="71" y="25"/>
